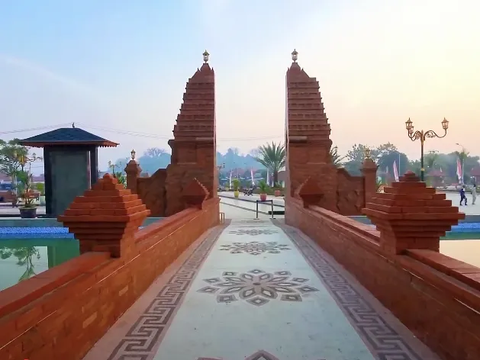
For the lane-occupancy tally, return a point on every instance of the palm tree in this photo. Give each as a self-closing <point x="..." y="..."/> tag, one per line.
<point x="462" y="156"/>
<point x="336" y="158"/>
<point x="272" y="156"/>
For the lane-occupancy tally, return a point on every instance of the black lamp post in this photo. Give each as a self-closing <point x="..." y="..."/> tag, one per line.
<point x="422" y="136"/>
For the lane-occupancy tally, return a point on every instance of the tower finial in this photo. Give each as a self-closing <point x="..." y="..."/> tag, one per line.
<point x="294" y="55"/>
<point x="205" y="56"/>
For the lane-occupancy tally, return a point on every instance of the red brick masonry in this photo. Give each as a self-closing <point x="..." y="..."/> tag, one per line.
<point x="62" y="312"/>
<point x="435" y="296"/>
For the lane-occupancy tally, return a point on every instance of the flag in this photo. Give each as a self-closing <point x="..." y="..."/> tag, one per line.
<point x="459" y="171"/>
<point x="251" y="174"/>
<point x="395" y="171"/>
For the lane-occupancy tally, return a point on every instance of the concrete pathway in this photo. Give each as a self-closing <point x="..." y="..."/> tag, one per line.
<point x="469" y="209"/>
<point x="257" y="289"/>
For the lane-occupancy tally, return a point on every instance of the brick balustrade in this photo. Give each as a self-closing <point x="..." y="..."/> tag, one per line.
<point x="435" y="296"/>
<point x="62" y="312"/>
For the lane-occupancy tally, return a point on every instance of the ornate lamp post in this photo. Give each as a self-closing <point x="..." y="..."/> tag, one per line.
<point x="422" y="136"/>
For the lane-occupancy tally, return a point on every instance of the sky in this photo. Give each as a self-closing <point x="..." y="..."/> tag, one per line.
<point x="118" y="68"/>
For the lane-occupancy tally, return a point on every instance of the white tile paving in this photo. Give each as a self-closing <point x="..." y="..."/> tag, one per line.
<point x="311" y="329"/>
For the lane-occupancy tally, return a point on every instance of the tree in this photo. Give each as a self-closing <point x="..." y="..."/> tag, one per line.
<point x="336" y="158"/>
<point x="120" y="175"/>
<point x="154" y="152"/>
<point x="10" y="154"/>
<point x="387" y="158"/>
<point x="430" y="160"/>
<point x="387" y="148"/>
<point x="272" y="156"/>
<point x="355" y="158"/>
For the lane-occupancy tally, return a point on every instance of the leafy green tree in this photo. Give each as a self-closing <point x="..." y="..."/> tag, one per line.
<point x="386" y="160"/>
<point x="10" y="154"/>
<point x="120" y="175"/>
<point x="430" y="161"/>
<point x="273" y="157"/>
<point x="355" y="157"/>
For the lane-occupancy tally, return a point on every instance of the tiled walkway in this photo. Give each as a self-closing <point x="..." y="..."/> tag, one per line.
<point x="257" y="290"/>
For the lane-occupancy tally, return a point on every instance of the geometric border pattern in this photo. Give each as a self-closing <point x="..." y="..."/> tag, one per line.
<point x="141" y="338"/>
<point x="383" y="341"/>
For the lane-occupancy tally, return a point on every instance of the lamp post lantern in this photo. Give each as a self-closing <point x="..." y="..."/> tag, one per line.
<point x="422" y="136"/>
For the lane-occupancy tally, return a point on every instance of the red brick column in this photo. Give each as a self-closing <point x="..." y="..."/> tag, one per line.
<point x="133" y="171"/>
<point x="106" y="218"/>
<point x="369" y="171"/>
<point x="410" y="215"/>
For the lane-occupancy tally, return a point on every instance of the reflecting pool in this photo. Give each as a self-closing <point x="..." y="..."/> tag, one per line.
<point x="20" y="259"/>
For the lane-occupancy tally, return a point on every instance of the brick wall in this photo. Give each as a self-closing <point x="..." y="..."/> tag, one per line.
<point x="61" y="313"/>
<point x="436" y="297"/>
<point x="152" y="192"/>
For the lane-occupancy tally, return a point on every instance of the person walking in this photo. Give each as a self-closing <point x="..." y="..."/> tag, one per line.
<point x="473" y="190"/>
<point x="462" y="195"/>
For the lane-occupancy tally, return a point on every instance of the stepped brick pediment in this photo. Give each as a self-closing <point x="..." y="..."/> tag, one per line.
<point x="105" y="217"/>
<point x="410" y="215"/>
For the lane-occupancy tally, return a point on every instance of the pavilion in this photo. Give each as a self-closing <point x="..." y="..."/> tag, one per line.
<point x="70" y="158"/>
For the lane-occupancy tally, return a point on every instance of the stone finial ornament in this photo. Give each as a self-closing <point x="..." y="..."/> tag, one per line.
<point x="294" y="55"/>
<point x="367" y="153"/>
<point x="206" y="56"/>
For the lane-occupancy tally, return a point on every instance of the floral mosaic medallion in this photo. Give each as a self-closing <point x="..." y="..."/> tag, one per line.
<point x="254" y="248"/>
<point x="253" y="232"/>
<point x="259" y="355"/>
<point x="257" y="287"/>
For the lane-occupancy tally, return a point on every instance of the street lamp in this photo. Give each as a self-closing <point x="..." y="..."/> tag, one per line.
<point x="422" y="136"/>
<point x="132" y="154"/>
<point x="463" y="162"/>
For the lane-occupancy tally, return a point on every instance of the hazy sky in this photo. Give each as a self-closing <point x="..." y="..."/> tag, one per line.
<point x="121" y="66"/>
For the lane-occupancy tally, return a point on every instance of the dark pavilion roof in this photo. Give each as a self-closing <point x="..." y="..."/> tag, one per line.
<point x="67" y="136"/>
